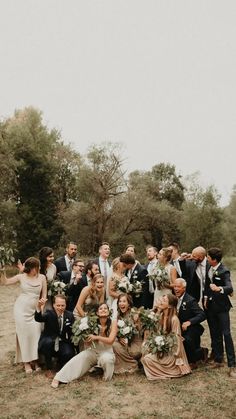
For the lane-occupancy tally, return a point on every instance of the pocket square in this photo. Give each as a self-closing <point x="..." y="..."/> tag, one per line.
<point x="217" y="278"/>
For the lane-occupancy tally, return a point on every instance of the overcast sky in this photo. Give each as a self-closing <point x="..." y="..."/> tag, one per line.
<point x="157" y="76"/>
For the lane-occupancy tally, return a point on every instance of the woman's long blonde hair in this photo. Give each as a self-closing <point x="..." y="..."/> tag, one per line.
<point x="92" y="291"/>
<point x="172" y="310"/>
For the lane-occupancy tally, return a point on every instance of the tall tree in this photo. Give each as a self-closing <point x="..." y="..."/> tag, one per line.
<point x="201" y="221"/>
<point x="33" y="149"/>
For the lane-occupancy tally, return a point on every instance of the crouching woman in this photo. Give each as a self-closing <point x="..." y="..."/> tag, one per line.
<point x="100" y="354"/>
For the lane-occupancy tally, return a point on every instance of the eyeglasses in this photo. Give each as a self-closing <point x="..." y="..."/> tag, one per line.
<point x="80" y="266"/>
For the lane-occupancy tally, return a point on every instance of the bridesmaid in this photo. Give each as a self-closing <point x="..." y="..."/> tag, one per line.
<point x="117" y="276"/>
<point x="164" y="257"/>
<point x="47" y="267"/>
<point x="171" y="365"/>
<point x="33" y="286"/>
<point x="102" y="355"/>
<point x="90" y="297"/>
<point x="127" y="355"/>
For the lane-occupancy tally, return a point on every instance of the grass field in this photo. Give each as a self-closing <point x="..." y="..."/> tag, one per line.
<point x="203" y="394"/>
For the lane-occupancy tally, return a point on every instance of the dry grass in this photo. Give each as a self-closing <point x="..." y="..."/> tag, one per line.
<point x="203" y="394"/>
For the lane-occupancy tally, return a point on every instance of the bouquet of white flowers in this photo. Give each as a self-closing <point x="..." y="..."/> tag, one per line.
<point x="84" y="327"/>
<point x="56" y="287"/>
<point x="159" y="276"/>
<point x="137" y="288"/>
<point x="149" y="320"/>
<point x="124" y="286"/>
<point x="126" y="329"/>
<point x="161" y="344"/>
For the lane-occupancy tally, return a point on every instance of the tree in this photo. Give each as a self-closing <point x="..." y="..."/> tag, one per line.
<point x="100" y="182"/>
<point x="33" y="147"/>
<point x="201" y="221"/>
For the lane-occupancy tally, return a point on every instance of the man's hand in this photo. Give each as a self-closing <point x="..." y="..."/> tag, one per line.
<point x="185" y="325"/>
<point x="215" y="288"/>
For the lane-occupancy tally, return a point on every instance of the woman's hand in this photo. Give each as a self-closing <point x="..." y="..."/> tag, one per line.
<point x="20" y="266"/>
<point x="123" y="341"/>
<point x="41" y="303"/>
<point x="91" y="338"/>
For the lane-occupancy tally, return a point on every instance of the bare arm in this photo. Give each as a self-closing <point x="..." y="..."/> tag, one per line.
<point x="13" y="280"/>
<point x="83" y="295"/>
<point x="44" y="288"/>
<point x="173" y="276"/>
<point x="112" y="289"/>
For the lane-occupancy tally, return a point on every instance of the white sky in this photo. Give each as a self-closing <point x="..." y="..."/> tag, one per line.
<point x="158" y="76"/>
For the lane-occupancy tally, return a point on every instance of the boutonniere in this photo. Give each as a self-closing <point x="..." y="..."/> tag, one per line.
<point x="216" y="273"/>
<point x="184" y="305"/>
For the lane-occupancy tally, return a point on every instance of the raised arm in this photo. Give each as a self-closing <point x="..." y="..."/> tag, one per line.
<point x="80" y="303"/>
<point x="10" y="281"/>
<point x="44" y="288"/>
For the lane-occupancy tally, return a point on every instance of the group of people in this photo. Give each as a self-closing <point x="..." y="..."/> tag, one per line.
<point x="184" y="289"/>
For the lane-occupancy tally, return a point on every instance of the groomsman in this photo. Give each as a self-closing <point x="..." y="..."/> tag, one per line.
<point x="103" y="262"/>
<point x="176" y="259"/>
<point x="55" y="339"/>
<point x="195" y="272"/>
<point x="190" y="316"/>
<point x="217" y="305"/>
<point x="151" y="253"/>
<point x="70" y="277"/>
<point x="64" y="263"/>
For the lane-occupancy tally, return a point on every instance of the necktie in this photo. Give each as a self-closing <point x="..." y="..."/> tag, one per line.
<point x="60" y="323"/>
<point x="70" y="264"/>
<point x="105" y="271"/>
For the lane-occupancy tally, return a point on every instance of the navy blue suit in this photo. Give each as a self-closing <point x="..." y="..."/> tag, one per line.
<point x="218" y="306"/>
<point x="190" y="311"/>
<point x="51" y="332"/>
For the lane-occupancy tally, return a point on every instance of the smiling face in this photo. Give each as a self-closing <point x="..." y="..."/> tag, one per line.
<point x="179" y="288"/>
<point x="99" y="284"/>
<point x="103" y="310"/>
<point x="50" y="259"/>
<point x="123" y="304"/>
<point x="161" y="257"/>
<point x="59" y="305"/>
<point x="164" y="302"/>
<point x="104" y="251"/>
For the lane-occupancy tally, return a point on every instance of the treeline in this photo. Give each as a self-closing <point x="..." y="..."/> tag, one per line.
<point x="51" y="194"/>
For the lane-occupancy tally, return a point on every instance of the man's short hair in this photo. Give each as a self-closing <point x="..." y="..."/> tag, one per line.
<point x="215" y="253"/>
<point x="182" y="281"/>
<point x="89" y="265"/>
<point x="62" y="296"/>
<point x="77" y="261"/>
<point x="104" y="244"/>
<point x="127" y="258"/>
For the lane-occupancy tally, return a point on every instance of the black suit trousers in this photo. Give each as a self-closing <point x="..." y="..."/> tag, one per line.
<point x="191" y="342"/>
<point x="64" y="354"/>
<point x="219" y="324"/>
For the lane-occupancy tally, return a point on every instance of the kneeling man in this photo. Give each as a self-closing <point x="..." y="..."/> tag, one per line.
<point x="190" y="316"/>
<point x="55" y="339"/>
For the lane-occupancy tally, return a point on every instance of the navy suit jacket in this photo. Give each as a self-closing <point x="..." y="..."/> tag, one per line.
<point x="193" y="283"/>
<point x="217" y="301"/>
<point x="61" y="264"/>
<point x="190" y="311"/>
<point x="51" y="325"/>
